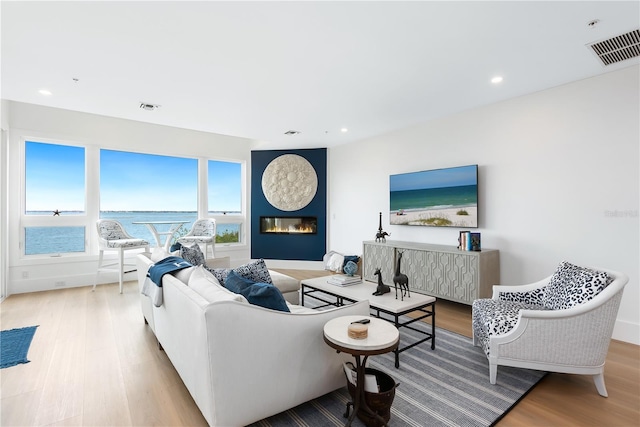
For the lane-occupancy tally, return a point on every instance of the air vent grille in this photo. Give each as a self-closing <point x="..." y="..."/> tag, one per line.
<point x="149" y="107"/>
<point x="617" y="49"/>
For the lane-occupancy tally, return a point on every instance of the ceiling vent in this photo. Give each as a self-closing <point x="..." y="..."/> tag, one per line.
<point x="617" y="49"/>
<point x="149" y="107"/>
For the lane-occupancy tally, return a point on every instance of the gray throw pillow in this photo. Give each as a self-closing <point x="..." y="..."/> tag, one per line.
<point x="193" y="255"/>
<point x="256" y="271"/>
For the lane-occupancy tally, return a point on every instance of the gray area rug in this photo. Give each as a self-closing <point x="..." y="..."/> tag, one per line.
<point x="448" y="386"/>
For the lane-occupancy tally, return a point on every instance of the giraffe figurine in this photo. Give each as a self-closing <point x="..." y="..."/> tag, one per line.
<point x="401" y="280"/>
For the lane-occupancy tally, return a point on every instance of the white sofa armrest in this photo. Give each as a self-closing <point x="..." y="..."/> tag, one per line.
<point x="278" y="360"/>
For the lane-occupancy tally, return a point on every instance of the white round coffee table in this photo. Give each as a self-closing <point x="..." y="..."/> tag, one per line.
<point x="383" y="337"/>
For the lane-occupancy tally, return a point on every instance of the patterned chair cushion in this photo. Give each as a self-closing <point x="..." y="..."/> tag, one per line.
<point x="491" y="317"/>
<point x="196" y="239"/>
<point x="126" y="243"/>
<point x="571" y="285"/>
<point x="116" y="237"/>
<point x="203" y="227"/>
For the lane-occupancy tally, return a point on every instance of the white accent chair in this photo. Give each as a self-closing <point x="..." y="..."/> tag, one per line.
<point x="203" y="232"/>
<point x="516" y="328"/>
<point x="113" y="237"/>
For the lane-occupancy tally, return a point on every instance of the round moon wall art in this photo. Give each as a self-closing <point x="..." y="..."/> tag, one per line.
<point x="289" y="182"/>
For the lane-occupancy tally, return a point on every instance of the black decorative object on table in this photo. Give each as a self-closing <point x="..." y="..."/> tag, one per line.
<point x="382" y="288"/>
<point x="401" y="280"/>
<point x="381" y="235"/>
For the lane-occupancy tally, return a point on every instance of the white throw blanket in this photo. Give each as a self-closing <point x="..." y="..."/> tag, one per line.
<point x="153" y="291"/>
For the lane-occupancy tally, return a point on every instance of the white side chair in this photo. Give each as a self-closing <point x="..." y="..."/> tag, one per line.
<point x="203" y="232"/>
<point x="113" y="237"/>
<point x="516" y="328"/>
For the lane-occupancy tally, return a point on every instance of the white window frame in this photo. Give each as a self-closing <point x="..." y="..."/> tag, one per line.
<point x="92" y="200"/>
<point x="80" y="220"/>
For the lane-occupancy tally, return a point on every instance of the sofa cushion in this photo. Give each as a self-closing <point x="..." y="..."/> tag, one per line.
<point x="184" y="274"/>
<point x="256" y="271"/>
<point x="572" y="285"/>
<point x="284" y="283"/>
<point x="205" y="284"/>
<point x="263" y="294"/>
<point x="491" y="317"/>
<point x="193" y="255"/>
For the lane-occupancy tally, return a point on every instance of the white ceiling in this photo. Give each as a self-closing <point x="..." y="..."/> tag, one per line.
<point x="259" y="69"/>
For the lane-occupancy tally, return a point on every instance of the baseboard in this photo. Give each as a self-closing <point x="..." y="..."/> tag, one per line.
<point x="63" y="282"/>
<point x="297" y="265"/>
<point x="627" y="332"/>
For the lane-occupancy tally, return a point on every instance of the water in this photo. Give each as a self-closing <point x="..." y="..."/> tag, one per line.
<point x="52" y="240"/>
<point x="431" y="198"/>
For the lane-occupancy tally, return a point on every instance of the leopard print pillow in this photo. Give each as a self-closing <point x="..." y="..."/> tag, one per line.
<point x="572" y="285"/>
<point x="530" y="297"/>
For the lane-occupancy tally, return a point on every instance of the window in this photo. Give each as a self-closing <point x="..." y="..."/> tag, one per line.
<point x="53" y="240"/>
<point x="54" y="189"/>
<point x="145" y="187"/>
<point x="224" y="183"/>
<point x="68" y="187"/>
<point x="54" y="179"/>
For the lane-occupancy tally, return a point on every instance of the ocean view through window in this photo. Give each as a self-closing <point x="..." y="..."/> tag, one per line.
<point x="133" y="187"/>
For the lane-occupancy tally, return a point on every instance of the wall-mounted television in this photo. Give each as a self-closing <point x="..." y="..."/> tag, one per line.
<point x="438" y="198"/>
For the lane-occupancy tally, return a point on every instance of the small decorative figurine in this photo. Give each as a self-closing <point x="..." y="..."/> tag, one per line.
<point x="350" y="268"/>
<point x="382" y="288"/>
<point x="401" y="280"/>
<point x="381" y="235"/>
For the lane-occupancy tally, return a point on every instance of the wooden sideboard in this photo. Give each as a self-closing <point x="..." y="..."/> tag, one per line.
<point x="438" y="270"/>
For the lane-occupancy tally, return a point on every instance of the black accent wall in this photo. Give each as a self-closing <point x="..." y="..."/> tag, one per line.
<point x="307" y="247"/>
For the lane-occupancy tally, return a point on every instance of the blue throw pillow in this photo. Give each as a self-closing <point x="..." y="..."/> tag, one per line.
<point x="263" y="294"/>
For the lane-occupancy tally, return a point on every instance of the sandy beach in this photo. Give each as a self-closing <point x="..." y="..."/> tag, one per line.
<point x="435" y="217"/>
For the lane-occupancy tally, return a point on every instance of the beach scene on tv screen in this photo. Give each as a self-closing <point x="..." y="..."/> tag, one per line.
<point x="438" y="198"/>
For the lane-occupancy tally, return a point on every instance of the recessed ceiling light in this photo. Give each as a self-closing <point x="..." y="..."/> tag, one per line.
<point x="496" y="80"/>
<point x="44" y="92"/>
<point x="343" y="130"/>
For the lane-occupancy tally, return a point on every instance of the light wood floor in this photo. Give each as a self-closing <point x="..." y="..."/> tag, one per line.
<point x="95" y="362"/>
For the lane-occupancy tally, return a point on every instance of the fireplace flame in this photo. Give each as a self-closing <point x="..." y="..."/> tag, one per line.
<point x="302" y="229"/>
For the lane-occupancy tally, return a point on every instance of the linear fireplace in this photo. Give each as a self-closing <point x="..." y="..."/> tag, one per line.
<point x="288" y="225"/>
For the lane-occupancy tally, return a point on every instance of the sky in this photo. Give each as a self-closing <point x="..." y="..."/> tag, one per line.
<point x="55" y="179"/>
<point x="436" y="178"/>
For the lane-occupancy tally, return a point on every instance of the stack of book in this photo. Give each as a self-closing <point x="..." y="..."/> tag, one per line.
<point x="343" y="280"/>
<point x="469" y="241"/>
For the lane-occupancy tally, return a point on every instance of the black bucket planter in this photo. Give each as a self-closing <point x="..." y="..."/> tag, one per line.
<point x="380" y="402"/>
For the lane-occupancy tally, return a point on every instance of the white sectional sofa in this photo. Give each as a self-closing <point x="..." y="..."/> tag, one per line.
<point x="241" y="362"/>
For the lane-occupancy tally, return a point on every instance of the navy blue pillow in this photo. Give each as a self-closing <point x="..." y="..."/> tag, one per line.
<point x="263" y="294"/>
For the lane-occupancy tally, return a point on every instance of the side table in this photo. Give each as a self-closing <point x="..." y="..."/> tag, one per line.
<point x="383" y="337"/>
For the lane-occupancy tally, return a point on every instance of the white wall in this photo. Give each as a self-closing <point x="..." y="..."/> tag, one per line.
<point x="558" y="180"/>
<point x="4" y="182"/>
<point x="57" y="125"/>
